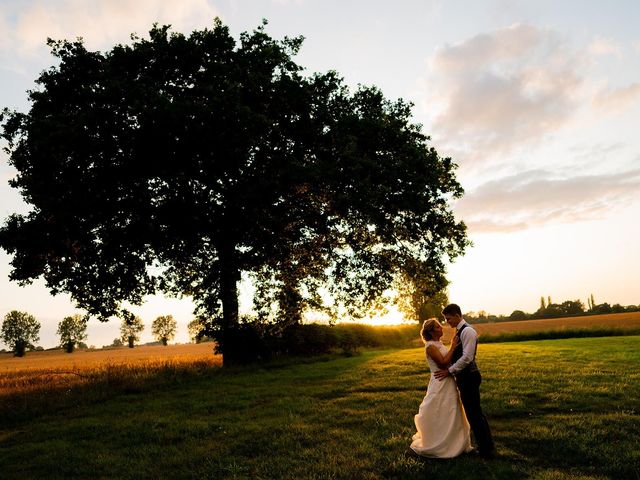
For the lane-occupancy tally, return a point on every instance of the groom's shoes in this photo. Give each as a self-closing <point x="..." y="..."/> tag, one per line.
<point x="488" y="455"/>
<point x="484" y="455"/>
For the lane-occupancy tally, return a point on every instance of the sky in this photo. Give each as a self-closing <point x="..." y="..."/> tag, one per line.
<point x="538" y="102"/>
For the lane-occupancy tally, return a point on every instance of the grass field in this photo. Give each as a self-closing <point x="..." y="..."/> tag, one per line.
<point x="560" y="409"/>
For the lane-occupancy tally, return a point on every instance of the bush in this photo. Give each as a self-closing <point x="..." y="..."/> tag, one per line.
<point x="252" y="341"/>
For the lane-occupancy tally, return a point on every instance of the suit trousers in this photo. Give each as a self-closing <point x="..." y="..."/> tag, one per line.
<point x="469" y="387"/>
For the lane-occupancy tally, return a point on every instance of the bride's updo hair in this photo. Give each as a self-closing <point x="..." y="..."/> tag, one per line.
<point x="427" y="329"/>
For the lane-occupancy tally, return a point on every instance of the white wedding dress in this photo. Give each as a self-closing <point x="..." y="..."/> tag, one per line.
<point x="443" y="429"/>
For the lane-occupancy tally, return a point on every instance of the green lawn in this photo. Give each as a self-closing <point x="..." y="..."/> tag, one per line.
<point x="559" y="409"/>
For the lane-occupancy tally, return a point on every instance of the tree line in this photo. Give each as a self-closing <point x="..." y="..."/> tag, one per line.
<point x="549" y="309"/>
<point x="20" y="331"/>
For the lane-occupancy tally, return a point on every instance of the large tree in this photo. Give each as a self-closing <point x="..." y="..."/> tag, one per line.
<point x="178" y="162"/>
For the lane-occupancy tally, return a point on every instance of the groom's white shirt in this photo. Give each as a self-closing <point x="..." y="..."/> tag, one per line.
<point x="469" y="340"/>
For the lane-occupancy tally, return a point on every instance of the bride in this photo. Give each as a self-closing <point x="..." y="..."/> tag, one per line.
<point x="443" y="429"/>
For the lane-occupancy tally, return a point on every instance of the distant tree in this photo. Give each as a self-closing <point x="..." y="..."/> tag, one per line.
<point x="72" y="330"/>
<point x="572" y="307"/>
<point x="19" y="330"/>
<point x="130" y="329"/>
<point x="163" y="328"/>
<point x="195" y="328"/>
<point x="617" y="308"/>
<point x="542" y="304"/>
<point x="549" y="302"/>
<point x="518" y="315"/>
<point x="417" y="296"/>
<point x="601" y="309"/>
<point x="117" y="343"/>
<point x="593" y="302"/>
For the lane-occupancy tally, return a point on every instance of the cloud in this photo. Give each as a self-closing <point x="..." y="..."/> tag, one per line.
<point x="536" y="198"/>
<point x="604" y="46"/>
<point x="499" y="91"/>
<point x="100" y="22"/>
<point x="618" y="99"/>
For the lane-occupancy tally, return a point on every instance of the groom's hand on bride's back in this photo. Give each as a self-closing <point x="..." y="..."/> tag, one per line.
<point x="442" y="374"/>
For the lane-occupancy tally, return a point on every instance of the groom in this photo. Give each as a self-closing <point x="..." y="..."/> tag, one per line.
<point x="467" y="376"/>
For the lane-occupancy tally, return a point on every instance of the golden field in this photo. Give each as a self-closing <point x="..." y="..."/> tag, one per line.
<point x="42" y="371"/>
<point x="614" y="320"/>
<point x="81" y="359"/>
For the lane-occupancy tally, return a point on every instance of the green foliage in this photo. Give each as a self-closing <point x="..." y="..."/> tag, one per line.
<point x="419" y="297"/>
<point x="19" y="330"/>
<point x="347" y="417"/>
<point x="195" y="328"/>
<point x="72" y="330"/>
<point x="214" y="157"/>
<point x="518" y="315"/>
<point x="164" y="328"/>
<point x="130" y="329"/>
<point x="256" y="341"/>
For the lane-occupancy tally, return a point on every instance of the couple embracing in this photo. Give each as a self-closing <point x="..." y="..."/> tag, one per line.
<point x="451" y="407"/>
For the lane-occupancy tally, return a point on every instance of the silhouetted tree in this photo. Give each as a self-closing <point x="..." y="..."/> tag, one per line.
<point x="195" y="328"/>
<point x="418" y="295"/>
<point x="210" y="157"/>
<point x="130" y="328"/>
<point x="518" y="315"/>
<point x="19" y="330"/>
<point x="617" y="308"/>
<point x="542" y="305"/>
<point x="72" y="330"/>
<point x="572" y="307"/>
<point x="163" y="328"/>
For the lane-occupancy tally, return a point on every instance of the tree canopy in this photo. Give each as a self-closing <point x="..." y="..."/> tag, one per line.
<point x="177" y="163"/>
<point x="164" y="328"/>
<point x="72" y="330"/>
<point x="130" y="329"/>
<point x="19" y="330"/>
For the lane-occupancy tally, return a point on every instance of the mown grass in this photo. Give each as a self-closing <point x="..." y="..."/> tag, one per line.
<point x="559" y="409"/>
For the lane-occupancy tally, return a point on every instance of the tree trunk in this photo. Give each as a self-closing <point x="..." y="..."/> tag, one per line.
<point x="229" y="276"/>
<point x="69" y="347"/>
<point x="20" y="348"/>
<point x="130" y="342"/>
<point x="164" y="341"/>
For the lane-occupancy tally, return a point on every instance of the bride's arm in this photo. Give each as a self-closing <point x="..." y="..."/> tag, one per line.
<point x="443" y="361"/>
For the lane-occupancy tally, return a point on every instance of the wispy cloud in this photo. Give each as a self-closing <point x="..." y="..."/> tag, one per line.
<point x="537" y="197"/>
<point x="604" y="46"/>
<point x="100" y="22"/>
<point x="618" y="99"/>
<point x="502" y="90"/>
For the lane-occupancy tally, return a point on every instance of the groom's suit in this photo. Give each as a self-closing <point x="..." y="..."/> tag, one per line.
<point x="468" y="379"/>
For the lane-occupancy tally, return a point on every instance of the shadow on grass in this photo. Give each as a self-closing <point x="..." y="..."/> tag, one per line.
<point x="46" y="392"/>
